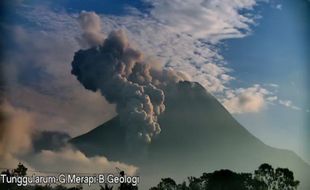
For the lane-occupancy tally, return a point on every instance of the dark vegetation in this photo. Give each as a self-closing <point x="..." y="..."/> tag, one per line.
<point x="264" y="178"/>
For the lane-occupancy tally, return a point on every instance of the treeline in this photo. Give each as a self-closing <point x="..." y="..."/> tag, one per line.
<point x="264" y="178"/>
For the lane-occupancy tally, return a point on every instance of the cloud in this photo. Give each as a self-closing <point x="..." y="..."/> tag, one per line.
<point x="244" y="100"/>
<point x="16" y="145"/>
<point x="122" y="76"/>
<point x="279" y="6"/>
<point x="69" y="160"/>
<point x="272" y="98"/>
<point x="16" y="130"/>
<point x="173" y="49"/>
<point x="177" y="43"/>
<point x="216" y="76"/>
<point x="91" y="26"/>
<point x="213" y="20"/>
<point x="49" y="140"/>
<point x="37" y="74"/>
<point x="125" y="78"/>
<point x="273" y="85"/>
<point x="186" y="43"/>
<point x="289" y="104"/>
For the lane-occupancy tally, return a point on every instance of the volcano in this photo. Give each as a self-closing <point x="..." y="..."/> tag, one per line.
<point x="198" y="135"/>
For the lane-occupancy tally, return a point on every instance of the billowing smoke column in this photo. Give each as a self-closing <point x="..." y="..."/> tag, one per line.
<point x="123" y="77"/>
<point x="120" y="74"/>
<point x="90" y="23"/>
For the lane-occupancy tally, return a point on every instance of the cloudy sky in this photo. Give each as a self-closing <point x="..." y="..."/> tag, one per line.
<point x="250" y="54"/>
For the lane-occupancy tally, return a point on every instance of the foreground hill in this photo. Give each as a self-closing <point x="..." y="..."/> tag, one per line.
<point x="198" y="134"/>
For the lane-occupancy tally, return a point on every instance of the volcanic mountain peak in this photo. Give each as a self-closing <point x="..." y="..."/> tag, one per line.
<point x="198" y="134"/>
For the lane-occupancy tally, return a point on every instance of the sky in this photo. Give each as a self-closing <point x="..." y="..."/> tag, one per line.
<point x="277" y="52"/>
<point x="251" y="55"/>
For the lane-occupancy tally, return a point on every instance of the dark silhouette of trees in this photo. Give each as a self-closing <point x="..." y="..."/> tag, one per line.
<point x="226" y="179"/>
<point x="264" y="178"/>
<point x="167" y="184"/>
<point x="279" y="179"/>
<point x="21" y="170"/>
<point x="265" y="174"/>
<point x="126" y="186"/>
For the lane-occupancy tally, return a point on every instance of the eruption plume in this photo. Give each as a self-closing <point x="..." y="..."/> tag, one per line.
<point x="91" y="26"/>
<point x="124" y="78"/>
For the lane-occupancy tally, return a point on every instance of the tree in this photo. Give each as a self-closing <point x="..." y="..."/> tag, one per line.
<point x="126" y="186"/>
<point x="21" y="170"/>
<point x="195" y="183"/>
<point x="166" y="184"/>
<point x="265" y="174"/>
<point x="182" y="186"/>
<point x="279" y="179"/>
<point x="264" y="178"/>
<point x="227" y="180"/>
<point x="285" y="179"/>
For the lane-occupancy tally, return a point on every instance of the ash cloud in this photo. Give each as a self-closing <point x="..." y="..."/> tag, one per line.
<point x="126" y="79"/>
<point x="16" y="129"/>
<point x="50" y="140"/>
<point x="20" y="142"/>
<point x="91" y="26"/>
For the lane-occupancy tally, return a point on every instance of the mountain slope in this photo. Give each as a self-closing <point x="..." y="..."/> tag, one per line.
<point x="198" y="135"/>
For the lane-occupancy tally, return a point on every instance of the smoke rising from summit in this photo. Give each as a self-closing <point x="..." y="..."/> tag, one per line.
<point x="125" y="78"/>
